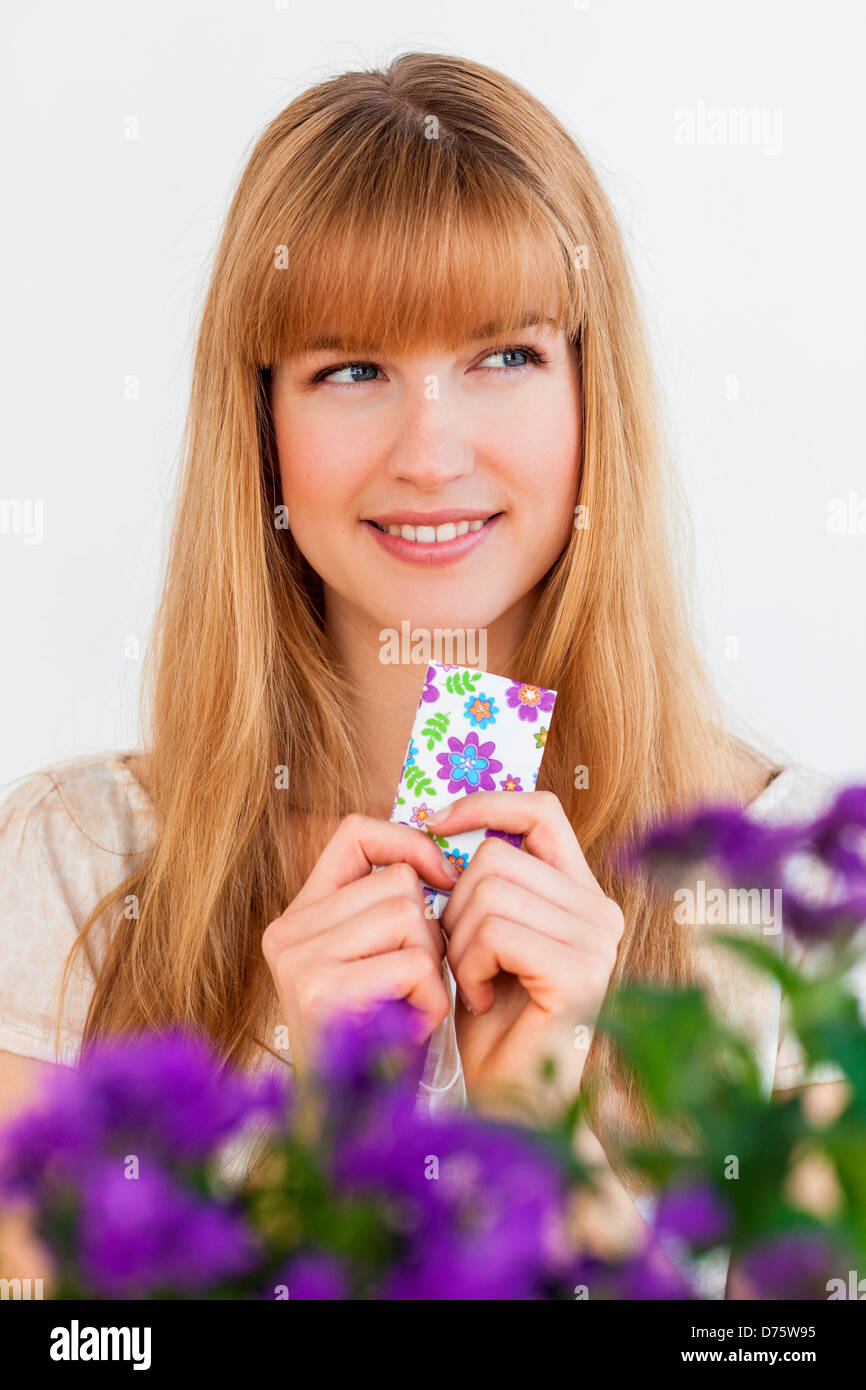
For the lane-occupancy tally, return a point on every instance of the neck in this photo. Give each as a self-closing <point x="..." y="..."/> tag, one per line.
<point x="387" y="694"/>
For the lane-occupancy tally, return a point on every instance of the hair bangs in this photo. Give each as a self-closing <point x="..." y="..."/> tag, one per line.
<point x="398" y="260"/>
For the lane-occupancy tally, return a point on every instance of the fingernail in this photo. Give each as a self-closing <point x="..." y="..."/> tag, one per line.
<point x="452" y="868"/>
<point x="436" y="816"/>
<point x="464" y="1001"/>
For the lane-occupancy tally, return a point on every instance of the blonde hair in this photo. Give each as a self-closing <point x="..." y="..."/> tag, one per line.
<point x="398" y="207"/>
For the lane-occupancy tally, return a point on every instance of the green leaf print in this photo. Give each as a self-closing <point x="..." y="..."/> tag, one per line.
<point x="434" y="729"/>
<point x="463" y="682"/>
<point x="418" y="782"/>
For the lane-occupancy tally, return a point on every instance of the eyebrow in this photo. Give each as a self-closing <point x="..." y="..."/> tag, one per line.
<point x="532" y="317"/>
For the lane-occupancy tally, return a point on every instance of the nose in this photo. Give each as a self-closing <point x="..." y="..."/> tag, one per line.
<point x="430" y="447"/>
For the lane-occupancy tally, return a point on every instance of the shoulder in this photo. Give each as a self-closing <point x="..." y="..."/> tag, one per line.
<point x="797" y="792"/>
<point x="69" y="833"/>
<point x="74" y="824"/>
<point x="98" y="790"/>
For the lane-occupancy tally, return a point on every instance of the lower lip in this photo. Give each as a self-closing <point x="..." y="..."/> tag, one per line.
<point x="436" y="552"/>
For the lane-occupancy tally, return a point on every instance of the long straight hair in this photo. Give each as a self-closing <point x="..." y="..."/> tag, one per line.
<point x="399" y="207"/>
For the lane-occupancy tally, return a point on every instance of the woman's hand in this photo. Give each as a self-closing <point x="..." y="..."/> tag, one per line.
<point x="351" y="937"/>
<point x="532" y="943"/>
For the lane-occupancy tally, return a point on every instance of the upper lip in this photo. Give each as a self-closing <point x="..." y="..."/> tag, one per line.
<point x="440" y="518"/>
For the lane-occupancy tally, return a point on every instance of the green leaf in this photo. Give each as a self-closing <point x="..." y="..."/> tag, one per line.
<point x="764" y="957"/>
<point x="418" y="782"/>
<point x="434" y="729"/>
<point x="463" y="682"/>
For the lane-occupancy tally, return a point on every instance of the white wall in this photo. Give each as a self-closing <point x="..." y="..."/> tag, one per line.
<point x="749" y="263"/>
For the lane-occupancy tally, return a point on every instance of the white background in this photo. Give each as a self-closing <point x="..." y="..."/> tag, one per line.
<point x="749" y="266"/>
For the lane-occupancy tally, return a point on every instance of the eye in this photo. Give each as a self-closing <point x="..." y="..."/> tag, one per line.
<point x="329" y="373"/>
<point x="360" y="373"/>
<point x="534" y="359"/>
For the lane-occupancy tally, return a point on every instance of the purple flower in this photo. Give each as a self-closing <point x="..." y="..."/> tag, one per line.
<point x="745" y="849"/>
<point x="357" y="1051"/>
<point x="529" y="699"/>
<point x="652" y="1275"/>
<point x="816" y="921"/>
<point x="795" y="1264"/>
<point x="693" y="1213"/>
<point x="468" y="766"/>
<point x="648" y="1275"/>
<point x="511" y="783"/>
<point x="839" y="835"/>
<point x="162" y="1094"/>
<point x="751" y="852"/>
<point x="431" y="689"/>
<point x="143" y="1235"/>
<point x="478" y="1205"/>
<point x="314" y="1276"/>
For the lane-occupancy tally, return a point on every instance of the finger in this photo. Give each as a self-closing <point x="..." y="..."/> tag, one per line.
<point x="502" y="945"/>
<point x="495" y="897"/>
<point x="360" y="842"/>
<point x="389" y="925"/>
<point x="412" y="974"/>
<point x="537" y="816"/>
<point x="506" y="861"/>
<point x="298" y="924"/>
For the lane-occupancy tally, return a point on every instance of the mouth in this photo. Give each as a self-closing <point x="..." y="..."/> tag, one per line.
<point x="433" y="537"/>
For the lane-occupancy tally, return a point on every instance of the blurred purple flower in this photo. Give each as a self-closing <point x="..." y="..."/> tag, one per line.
<point x="314" y="1276"/>
<point x="796" y="1264"/>
<point x="39" y="1147"/>
<point x="819" y="921"/>
<point x="693" y="1213"/>
<point x="479" y="1205"/>
<point x="649" y="1274"/>
<point x="357" y="1051"/>
<point x="839" y="835"/>
<point x="162" y="1094"/>
<point x="431" y="689"/>
<point x="747" y="851"/>
<point x="171" y="1088"/>
<point x="145" y="1234"/>
<point x="652" y="1275"/>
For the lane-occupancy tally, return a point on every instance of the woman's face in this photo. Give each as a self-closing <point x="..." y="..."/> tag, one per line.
<point x="434" y="487"/>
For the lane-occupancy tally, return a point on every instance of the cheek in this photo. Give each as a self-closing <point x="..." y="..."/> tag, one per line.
<point x="544" y="467"/>
<point x="319" y="472"/>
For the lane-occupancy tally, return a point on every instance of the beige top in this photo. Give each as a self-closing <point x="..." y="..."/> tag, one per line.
<point x="69" y="832"/>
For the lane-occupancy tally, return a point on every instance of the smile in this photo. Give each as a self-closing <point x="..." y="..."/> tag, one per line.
<point x="431" y="540"/>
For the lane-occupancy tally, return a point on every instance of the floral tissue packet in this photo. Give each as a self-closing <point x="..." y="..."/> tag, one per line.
<point x="472" y="732"/>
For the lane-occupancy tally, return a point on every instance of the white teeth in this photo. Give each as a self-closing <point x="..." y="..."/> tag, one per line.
<point x="430" y="535"/>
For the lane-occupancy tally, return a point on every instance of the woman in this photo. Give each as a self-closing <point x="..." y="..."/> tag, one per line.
<point x="421" y="317"/>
